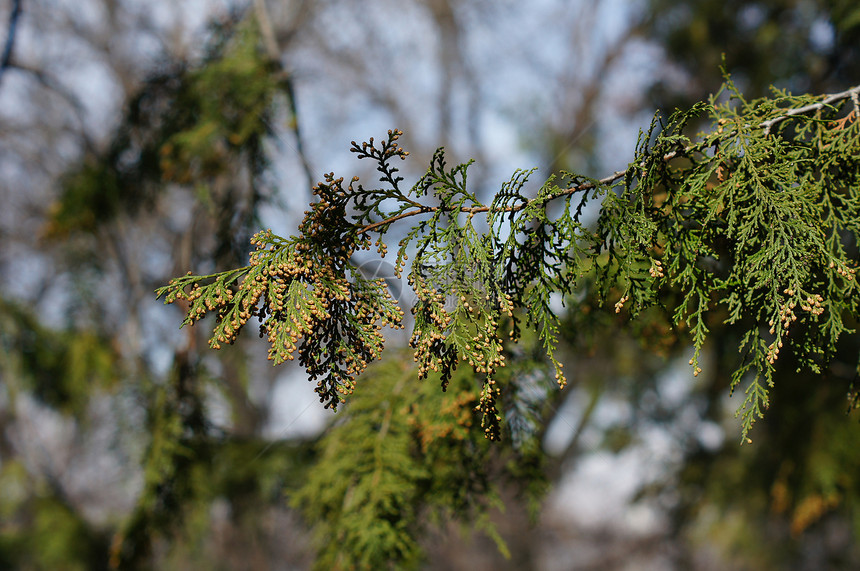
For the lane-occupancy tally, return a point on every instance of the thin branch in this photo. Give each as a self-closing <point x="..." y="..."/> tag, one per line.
<point x="266" y="30"/>
<point x="408" y="213"/>
<point x="829" y="100"/>
<point x="76" y="104"/>
<point x="478" y="209"/>
<point x="274" y="51"/>
<point x="6" y="58"/>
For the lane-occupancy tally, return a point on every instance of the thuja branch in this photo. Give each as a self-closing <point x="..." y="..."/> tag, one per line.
<point x="751" y="220"/>
<point x="767" y="125"/>
<point x="421" y="209"/>
<point x="828" y="100"/>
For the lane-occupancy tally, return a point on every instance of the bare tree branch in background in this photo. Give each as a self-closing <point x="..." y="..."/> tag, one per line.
<point x="77" y="106"/>
<point x="6" y="58"/>
<point x="275" y="53"/>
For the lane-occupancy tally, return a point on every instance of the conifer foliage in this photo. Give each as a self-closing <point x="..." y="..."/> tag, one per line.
<point x="752" y="224"/>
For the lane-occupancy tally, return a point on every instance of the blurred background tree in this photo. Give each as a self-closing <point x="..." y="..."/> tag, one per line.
<point x="141" y="140"/>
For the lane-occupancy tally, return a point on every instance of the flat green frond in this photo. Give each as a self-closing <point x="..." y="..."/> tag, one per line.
<point x="752" y="225"/>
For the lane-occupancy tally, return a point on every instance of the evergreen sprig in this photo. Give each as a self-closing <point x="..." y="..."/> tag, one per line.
<point x="400" y="458"/>
<point x="752" y="223"/>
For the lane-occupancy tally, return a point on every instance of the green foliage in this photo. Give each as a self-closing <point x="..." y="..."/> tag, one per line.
<point x="63" y="369"/>
<point x="753" y="222"/>
<point x="41" y="530"/>
<point x="187" y="468"/>
<point x="223" y="108"/>
<point x="299" y="292"/>
<point x="764" y="43"/>
<point x="187" y="125"/>
<point x="773" y="499"/>
<point x="760" y="227"/>
<point x="399" y="457"/>
<point x="338" y="312"/>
